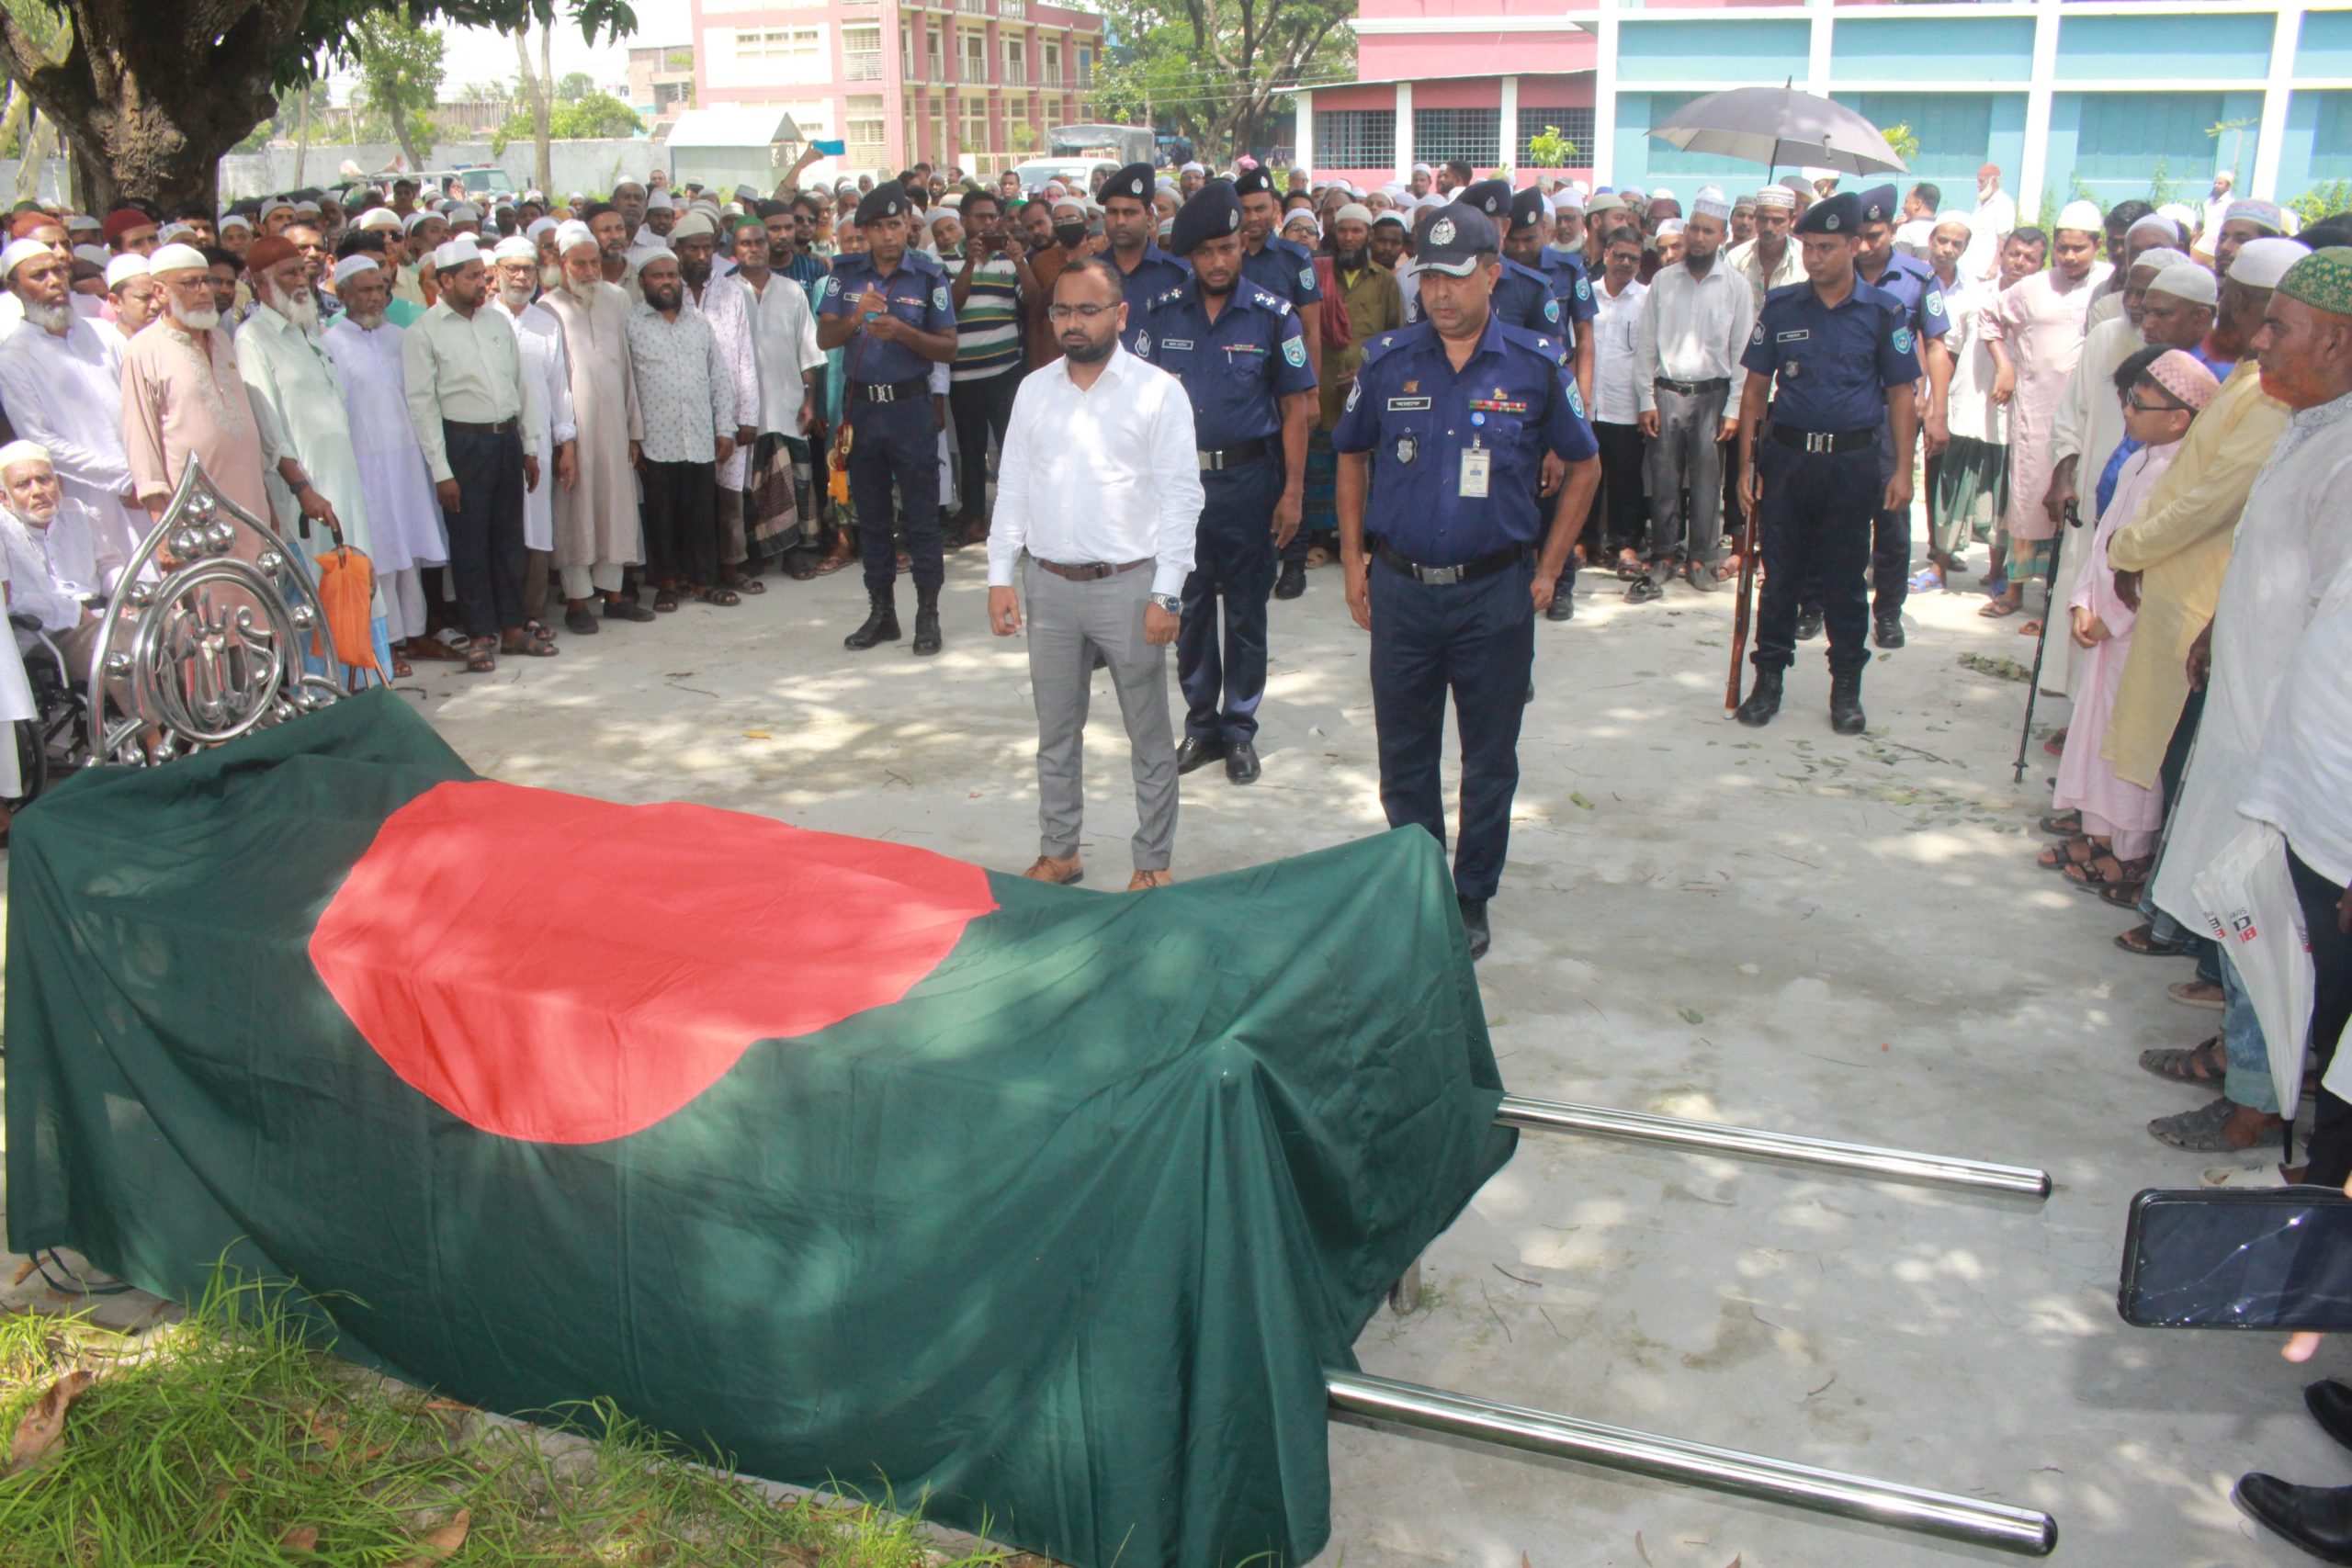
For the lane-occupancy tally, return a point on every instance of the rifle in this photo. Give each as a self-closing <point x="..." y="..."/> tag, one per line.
<point x="1742" y="609"/>
<point x="2073" y="518"/>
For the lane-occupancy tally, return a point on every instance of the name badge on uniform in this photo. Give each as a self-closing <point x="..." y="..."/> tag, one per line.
<point x="1408" y="405"/>
<point x="1476" y="465"/>
<point x="1175" y="342"/>
<point x="1800" y="335"/>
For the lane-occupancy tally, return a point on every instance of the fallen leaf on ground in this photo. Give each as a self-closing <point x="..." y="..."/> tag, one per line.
<point x="24" y="1272"/>
<point x="300" y="1537"/>
<point x="43" y="1428"/>
<point x="439" y="1543"/>
<point x="1579" y="800"/>
<point x="1691" y="1015"/>
<point x="1640" y="1547"/>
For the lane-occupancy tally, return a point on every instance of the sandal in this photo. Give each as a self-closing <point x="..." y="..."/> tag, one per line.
<point x="2202" y="1131"/>
<point x="2056" y="744"/>
<point x="434" y="648"/>
<point x="531" y="648"/>
<point x="2061" y="824"/>
<point x="665" y="600"/>
<point x="401" y="669"/>
<point x="2203" y="1062"/>
<point x="1318" y="556"/>
<point x="2105" y="871"/>
<point x="539" y="631"/>
<point x="2032" y="629"/>
<point x="2141" y="941"/>
<point x="840" y="556"/>
<point x="1630" y="565"/>
<point x="2067" y="853"/>
<point x="719" y="596"/>
<point x="482" y="657"/>
<point x="1998" y="609"/>
<point x="2124" y="895"/>
<point x="742" y="584"/>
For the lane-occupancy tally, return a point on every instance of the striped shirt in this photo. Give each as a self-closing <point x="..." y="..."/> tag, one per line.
<point x="807" y="271"/>
<point x="988" y="324"/>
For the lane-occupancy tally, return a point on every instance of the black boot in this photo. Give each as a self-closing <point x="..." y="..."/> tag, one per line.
<point x="1762" y="702"/>
<point x="1846" y="702"/>
<point x="927" y="638"/>
<point x="881" y="620"/>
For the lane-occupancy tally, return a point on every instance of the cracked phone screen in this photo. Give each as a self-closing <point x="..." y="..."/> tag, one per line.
<point x="2222" y="1264"/>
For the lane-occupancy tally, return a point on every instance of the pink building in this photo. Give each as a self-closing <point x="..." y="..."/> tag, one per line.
<point x="970" y="81"/>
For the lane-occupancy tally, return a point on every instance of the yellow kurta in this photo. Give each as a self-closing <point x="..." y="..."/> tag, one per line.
<point x="2181" y="543"/>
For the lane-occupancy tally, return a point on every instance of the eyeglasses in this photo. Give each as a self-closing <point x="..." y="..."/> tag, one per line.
<point x="1083" y="312"/>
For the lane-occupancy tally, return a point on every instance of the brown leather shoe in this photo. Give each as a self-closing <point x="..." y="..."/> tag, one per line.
<point x="1045" y="868"/>
<point x="1143" y="881"/>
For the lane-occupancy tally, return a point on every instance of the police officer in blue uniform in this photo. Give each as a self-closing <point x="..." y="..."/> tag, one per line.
<point x="889" y="310"/>
<point x="1910" y="281"/>
<point x="1446" y="432"/>
<point x="1527" y="243"/>
<point x="1522" y="297"/>
<point x="1129" y="221"/>
<point x="1281" y="268"/>
<point x="1836" y="357"/>
<point x="1244" y="362"/>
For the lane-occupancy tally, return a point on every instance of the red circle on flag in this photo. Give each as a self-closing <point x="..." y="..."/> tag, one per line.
<point x="566" y="970"/>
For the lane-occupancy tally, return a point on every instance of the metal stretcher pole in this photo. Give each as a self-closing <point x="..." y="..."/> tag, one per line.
<point x="1751" y="1143"/>
<point x="2020" y="1531"/>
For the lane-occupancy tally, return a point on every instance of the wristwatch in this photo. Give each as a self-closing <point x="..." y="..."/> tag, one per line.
<point x="1169" y="602"/>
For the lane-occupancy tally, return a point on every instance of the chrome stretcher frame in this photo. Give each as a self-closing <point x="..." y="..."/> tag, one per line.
<point x="1381" y="1402"/>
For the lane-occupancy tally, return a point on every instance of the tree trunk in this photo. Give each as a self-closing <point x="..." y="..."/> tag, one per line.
<point x="301" y="137"/>
<point x="32" y="156"/>
<point x="544" y="121"/>
<point x="151" y="101"/>
<point x="405" y="134"/>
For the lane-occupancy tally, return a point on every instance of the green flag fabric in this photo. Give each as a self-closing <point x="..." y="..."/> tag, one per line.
<point x="863" y="1165"/>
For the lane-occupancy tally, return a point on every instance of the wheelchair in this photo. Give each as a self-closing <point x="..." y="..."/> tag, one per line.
<point x="54" y="741"/>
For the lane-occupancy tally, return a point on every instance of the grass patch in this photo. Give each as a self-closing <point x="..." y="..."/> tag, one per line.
<point x="226" y="1440"/>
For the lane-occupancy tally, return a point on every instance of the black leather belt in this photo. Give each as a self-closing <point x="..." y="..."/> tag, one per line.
<point x="1444" y="576"/>
<point x="894" y="391"/>
<point x="1693" y="388"/>
<point x="1823" y="440"/>
<point x="1233" y="457"/>
<point x="470" y="428"/>
<point x="1089" y="572"/>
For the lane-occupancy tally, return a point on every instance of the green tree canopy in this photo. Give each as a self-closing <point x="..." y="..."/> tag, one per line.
<point x="1218" y="70"/>
<point x="400" y="72"/>
<point x="597" y="116"/>
<point x="574" y="86"/>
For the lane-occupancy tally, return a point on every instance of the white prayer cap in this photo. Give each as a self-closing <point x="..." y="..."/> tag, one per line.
<point x="170" y="231"/>
<point x="464" y="212"/>
<point x="1669" y="227"/>
<point x="571" y="234"/>
<point x="1569" y="200"/>
<point x="2184" y="216"/>
<point x="1661" y="193"/>
<point x="125" y="267"/>
<point x="1776" y="198"/>
<point x="2260" y="264"/>
<point x="2155" y="222"/>
<point x="270" y="204"/>
<point x="1354" y="212"/>
<point x="660" y="202"/>
<point x="306" y="205"/>
<point x="1710" y="203"/>
<point x="2083" y="217"/>
<point x="2158" y="257"/>
<point x="235" y="220"/>
<point x="417" y="217"/>
<point x="516" y="247"/>
<point x="81" y="221"/>
<point x="1581" y="187"/>
<point x="541" y="226"/>
<point x="94" y="254"/>
<point x="2186" y="280"/>
<point x="1821" y="175"/>
<point x="1957" y="219"/>
<point x="18" y="452"/>
<point x="1423" y="169"/>
<point x="455" y="253"/>
<point x="169" y="258"/>
<point x="1068" y="201"/>
<point x="1192" y="169"/>
<point x="355" y="264"/>
<point x="18" y="252"/>
<point x="380" y="218"/>
<point x="538" y="196"/>
<point x="694" y="223"/>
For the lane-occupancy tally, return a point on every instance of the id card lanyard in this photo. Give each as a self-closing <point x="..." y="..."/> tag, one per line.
<point x="1477" y="463"/>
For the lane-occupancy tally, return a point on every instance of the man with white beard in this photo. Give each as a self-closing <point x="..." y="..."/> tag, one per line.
<point x="184" y="396"/>
<point x="310" y="466"/>
<point x="60" y="375"/>
<point x="540" y="337"/>
<point x="52" y="566"/>
<point x="596" y="531"/>
<point x="404" y="520"/>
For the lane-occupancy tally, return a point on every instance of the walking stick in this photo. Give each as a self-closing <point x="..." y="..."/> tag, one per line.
<point x="2071" y="519"/>
<point x="1741" y="610"/>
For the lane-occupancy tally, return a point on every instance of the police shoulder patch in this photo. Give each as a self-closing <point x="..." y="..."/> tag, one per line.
<point x="1584" y="289"/>
<point x="939" y="297"/>
<point x="1294" y="350"/>
<point x="1551" y="310"/>
<point x="1143" y="345"/>
<point x="1306" y="277"/>
<point x="1903" y="339"/>
<point x="1576" y="399"/>
<point x="1355" y="390"/>
<point x="1758" y="335"/>
<point x="1934" y="304"/>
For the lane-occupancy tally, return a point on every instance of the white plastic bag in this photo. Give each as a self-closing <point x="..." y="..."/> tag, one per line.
<point x="2249" y="899"/>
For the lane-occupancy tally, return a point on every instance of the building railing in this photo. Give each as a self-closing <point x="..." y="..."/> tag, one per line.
<point x="1016" y="75"/>
<point x="1013" y="10"/>
<point x="862" y="67"/>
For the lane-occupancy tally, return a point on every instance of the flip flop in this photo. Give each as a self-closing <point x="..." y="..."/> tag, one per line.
<point x="2061" y="824"/>
<point x="2182" y="1066"/>
<point x="2145" y="948"/>
<point x="2125" y="895"/>
<point x="1928" y="582"/>
<point x="1999" y="609"/>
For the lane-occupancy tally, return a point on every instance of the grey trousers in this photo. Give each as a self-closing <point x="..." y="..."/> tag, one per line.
<point x="1067" y="622"/>
<point x="1686" y="456"/>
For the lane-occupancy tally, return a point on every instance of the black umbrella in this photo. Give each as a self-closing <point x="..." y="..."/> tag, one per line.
<point x="1777" y="127"/>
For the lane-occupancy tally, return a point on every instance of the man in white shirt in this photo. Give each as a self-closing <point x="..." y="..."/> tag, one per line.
<point x="1098" y="484"/>
<point x="786" y="358"/>
<point x="1616" y="409"/>
<point x="52" y="562"/>
<point x="1694" y="328"/>
<point x="2217" y="208"/>
<point x="60" y="377"/>
<point x="1990" y="226"/>
<point x="539" y="337"/>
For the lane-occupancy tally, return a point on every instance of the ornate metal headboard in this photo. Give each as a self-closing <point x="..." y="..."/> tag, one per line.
<point x="203" y="640"/>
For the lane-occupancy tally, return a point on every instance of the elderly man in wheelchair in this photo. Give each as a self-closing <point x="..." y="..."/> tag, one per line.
<point x="52" y="578"/>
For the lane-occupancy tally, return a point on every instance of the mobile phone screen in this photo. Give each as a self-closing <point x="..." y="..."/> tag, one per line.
<point x="2276" y="1258"/>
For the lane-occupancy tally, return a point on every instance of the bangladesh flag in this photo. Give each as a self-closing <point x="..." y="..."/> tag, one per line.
<point x="852" y="1160"/>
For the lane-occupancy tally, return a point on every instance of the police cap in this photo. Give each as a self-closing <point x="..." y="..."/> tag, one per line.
<point x="1253" y="182"/>
<point x="888" y="200"/>
<point x="1880" y="205"/>
<point x="1839" y="214"/>
<point x="1489" y="197"/>
<point x="1136" y="180"/>
<point x="1213" y="212"/>
<point x="1455" y="240"/>
<point x="1528" y="207"/>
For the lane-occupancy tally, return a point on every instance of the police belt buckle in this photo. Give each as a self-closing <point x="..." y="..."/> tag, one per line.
<point x="1438" y="576"/>
<point x="886" y="393"/>
<point x="1816" y="441"/>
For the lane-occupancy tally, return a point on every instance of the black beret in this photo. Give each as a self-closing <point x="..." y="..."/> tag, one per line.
<point x="1253" y="182"/>
<point x="888" y="200"/>
<point x="1136" y="180"/>
<point x="1881" y="205"/>
<point x="1839" y="214"/>
<point x="1214" y="211"/>
<point x="1489" y="197"/>
<point x="1528" y="207"/>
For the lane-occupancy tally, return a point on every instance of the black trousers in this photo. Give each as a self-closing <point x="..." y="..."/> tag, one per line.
<point x="486" y="553"/>
<point x="681" y="515"/>
<point x="1814" y="530"/>
<point x="896" y="444"/>
<point x="1224" y="676"/>
<point x="1618" y="507"/>
<point x="1890" y="541"/>
<point x="2331" y="1150"/>
<point x="982" y="409"/>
